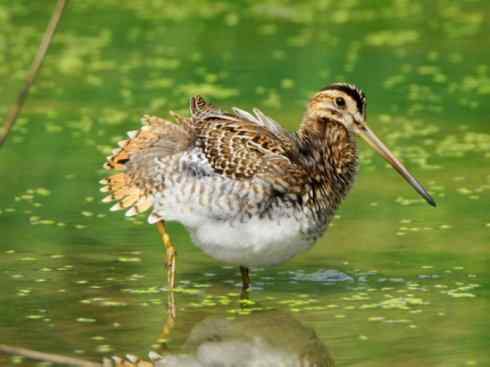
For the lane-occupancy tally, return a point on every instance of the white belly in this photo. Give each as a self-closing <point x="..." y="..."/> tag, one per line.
<point x="257" y="242"/>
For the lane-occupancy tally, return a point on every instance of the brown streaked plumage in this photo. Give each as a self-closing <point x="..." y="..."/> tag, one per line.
<point x="250" y="192"/>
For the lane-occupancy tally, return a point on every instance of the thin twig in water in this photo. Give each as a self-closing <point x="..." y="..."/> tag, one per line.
<point x="36" y="65"/>
<point x="47" y="357"/>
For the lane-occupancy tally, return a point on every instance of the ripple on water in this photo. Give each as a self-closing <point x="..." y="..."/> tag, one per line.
<point x="321" y="276"/>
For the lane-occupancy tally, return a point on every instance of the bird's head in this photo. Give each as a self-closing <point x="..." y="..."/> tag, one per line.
<point x="344" y="105"/>
<point x="338" y="104"/>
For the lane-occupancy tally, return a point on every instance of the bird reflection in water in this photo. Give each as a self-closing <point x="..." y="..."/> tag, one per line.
<point x="262" y="338"/>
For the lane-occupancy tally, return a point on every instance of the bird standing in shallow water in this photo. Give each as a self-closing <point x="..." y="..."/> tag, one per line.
<point x="249" y="192"/>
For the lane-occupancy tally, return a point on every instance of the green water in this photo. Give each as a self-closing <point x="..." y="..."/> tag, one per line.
<point x="394" y="282"/>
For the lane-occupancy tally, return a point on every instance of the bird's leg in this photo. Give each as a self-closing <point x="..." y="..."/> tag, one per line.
<point x="245" y="278"/>
<point x="170" y="251"/>
<point x="170" y="322"/>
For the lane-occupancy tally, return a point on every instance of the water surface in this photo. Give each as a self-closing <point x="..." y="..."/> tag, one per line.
<point x="394" y="282"/>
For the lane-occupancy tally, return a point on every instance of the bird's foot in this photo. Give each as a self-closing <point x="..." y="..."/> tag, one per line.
<point x="245" y="272"/>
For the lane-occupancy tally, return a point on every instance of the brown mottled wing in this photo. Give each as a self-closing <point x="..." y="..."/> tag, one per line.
<point x="135" y="185"/>
<point x="243" y="150"/>
<point x="269" y="124"/>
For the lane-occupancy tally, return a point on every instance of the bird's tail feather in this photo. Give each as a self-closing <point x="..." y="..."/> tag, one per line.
<point x="133" y="187"/>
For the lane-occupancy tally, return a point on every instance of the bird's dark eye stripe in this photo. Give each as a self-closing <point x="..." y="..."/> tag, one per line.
<point x="354" y="92"/>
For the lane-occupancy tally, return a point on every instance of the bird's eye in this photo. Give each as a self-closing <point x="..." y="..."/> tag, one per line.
<point x="340" y="102"/>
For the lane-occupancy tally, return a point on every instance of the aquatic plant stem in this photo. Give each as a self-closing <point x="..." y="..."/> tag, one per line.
<point x="35" y="67"/>
<point x="48" y="357"/>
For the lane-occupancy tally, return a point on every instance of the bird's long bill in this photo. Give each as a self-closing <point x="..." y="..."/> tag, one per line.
<point x="368" y="135"/>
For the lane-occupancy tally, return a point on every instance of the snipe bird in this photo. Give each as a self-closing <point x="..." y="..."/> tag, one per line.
<point x="249" y="192"/>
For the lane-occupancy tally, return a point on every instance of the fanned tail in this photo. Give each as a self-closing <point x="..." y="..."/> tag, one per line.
<point x="133" y="188"/>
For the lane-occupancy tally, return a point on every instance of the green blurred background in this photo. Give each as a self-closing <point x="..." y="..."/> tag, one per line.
<point x="394" y="282"/>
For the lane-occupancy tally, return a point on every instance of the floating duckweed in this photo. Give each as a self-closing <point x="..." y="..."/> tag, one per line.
<point x="105" y="348"/>
<point x="129" y="259"/>
<point x="47" y="221"/>
<point x="17" y="359"/>
<point x="287" y="83"/>
<point x="244" y="312"/>
<point x="34" y="317"/>
<point x="458" y="294"/>
<point x="321" y="308"/>
<point x="356" y="297"/>
<point x="65" y="268"/>
<point x="273" y="100"/>
<point x="86" y="320"/>
<point x="399" y="321"/>
<point x="159" y="83"/>
<point x="42" y="191"/>
<point x="392" y="38"/>
<point x="150" y="290"/>
<point x="206" y="89"/>
<point x="115" y="303"/>
<point x="247" y="302"/>
<point x="440" y="286"/>
<point x="135" y="277"/>
<point x="376" y="318"/>
<point x="231" y="19"/>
